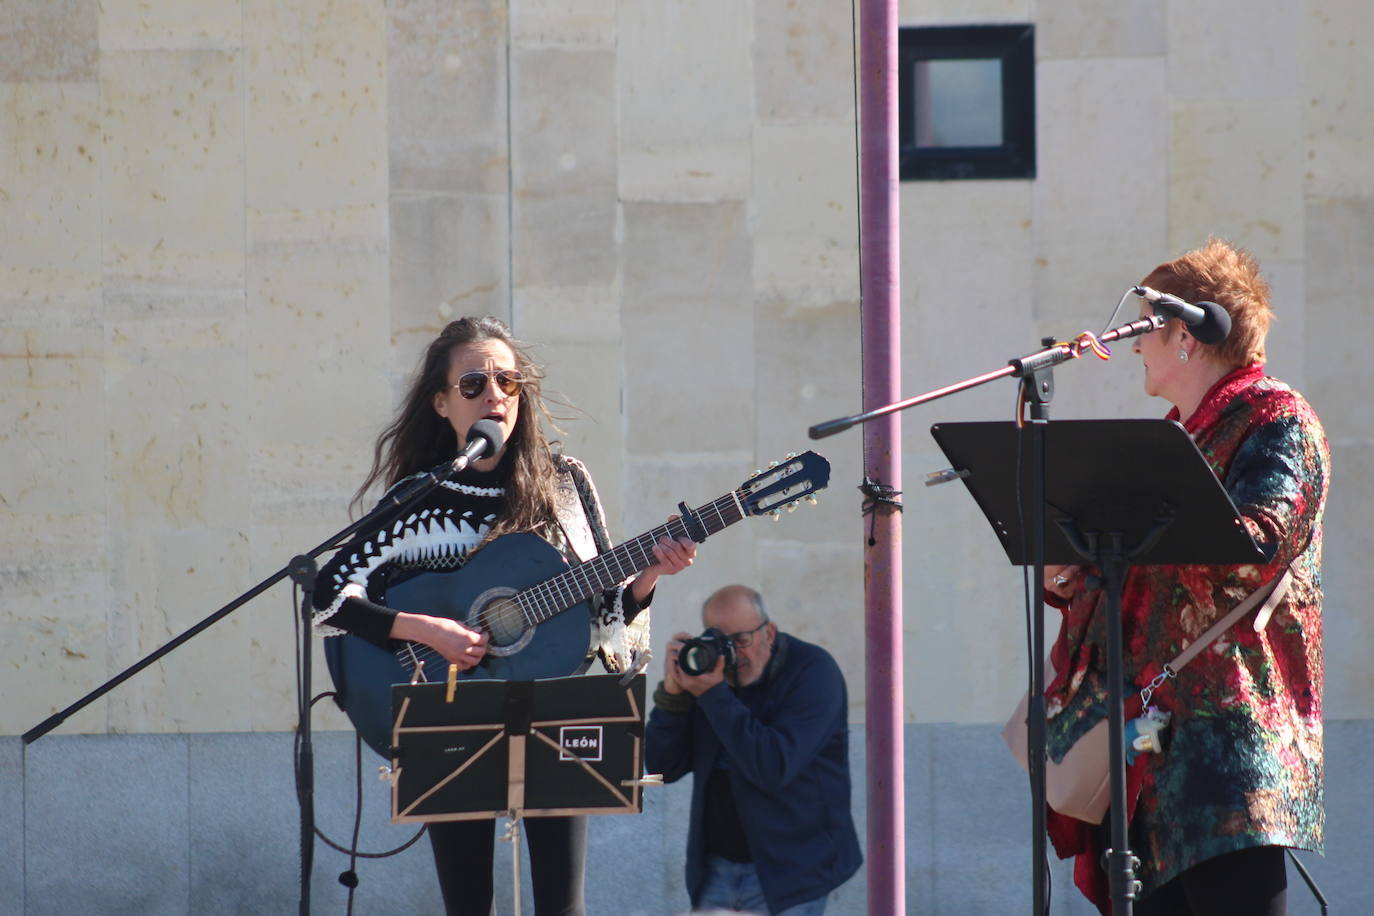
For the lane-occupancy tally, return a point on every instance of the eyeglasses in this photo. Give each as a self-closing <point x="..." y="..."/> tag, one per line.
<point x="745" y="639"/>
<point x="471" y="384"/>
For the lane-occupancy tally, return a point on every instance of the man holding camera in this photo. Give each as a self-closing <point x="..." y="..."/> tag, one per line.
<point x="759" y="719"/>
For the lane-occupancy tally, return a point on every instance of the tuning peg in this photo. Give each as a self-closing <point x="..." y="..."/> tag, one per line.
<point x="791" y="455"/>
<point x="792" y="506"/>
<point x="772" y="464"/>
<point x="758" y="471"/>
<point x="811" y="498"/>
<point x="774" y="514"/>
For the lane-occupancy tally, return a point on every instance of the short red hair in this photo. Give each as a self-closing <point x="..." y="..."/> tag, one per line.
<point x="1229" y="276"/>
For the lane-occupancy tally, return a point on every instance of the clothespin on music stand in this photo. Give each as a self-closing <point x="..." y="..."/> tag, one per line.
<point x="452" y="683"/>
<point x="639" y="660"/>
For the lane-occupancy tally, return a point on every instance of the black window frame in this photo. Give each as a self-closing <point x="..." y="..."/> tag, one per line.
<point x="1014" y="46"/>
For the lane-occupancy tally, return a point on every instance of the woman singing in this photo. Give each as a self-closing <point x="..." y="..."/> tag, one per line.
<point x="475" y="370"/>
<point x="1242" y="774"/>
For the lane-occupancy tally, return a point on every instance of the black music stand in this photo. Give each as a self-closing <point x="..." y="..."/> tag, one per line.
<point x="562" y="746"/>
<point x="1117" y="492"/>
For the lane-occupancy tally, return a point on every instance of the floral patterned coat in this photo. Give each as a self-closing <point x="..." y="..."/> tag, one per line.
<point x="1244" y="763"/>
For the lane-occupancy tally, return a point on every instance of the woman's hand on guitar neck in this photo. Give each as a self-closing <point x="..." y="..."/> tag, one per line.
<point x="456" y="643"/>
<point x="672" y="556"/>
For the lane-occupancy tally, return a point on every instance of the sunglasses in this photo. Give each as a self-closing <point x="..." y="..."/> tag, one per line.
<point x="471" y="384"/>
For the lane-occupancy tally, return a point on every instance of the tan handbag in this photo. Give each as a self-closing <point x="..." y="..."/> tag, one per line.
<point x="1080" y="784"/>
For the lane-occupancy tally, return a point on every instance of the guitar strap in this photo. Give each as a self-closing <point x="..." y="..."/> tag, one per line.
<point x="579" y="510"/>
<point x="583" y="523"/>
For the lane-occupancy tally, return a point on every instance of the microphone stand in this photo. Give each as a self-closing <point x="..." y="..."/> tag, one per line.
<point x="302" y="570"/>
<point x="1036" y="372"/>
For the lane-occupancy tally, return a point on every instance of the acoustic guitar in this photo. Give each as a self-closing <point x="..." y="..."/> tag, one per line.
<point x="535" y="608"/>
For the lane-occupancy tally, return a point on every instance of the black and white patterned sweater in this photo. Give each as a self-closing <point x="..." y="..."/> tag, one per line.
<point x="438" y="536"/>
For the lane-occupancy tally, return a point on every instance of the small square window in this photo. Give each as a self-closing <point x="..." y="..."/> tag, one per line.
<point x="967" y="102"/>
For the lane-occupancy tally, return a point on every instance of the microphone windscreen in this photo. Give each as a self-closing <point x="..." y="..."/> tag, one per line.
<point x="1215" y="328"/>
<point x="490" y="432"/>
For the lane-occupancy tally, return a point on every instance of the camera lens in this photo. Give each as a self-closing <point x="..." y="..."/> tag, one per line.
<point x="699" y="654"/>
<point x="697" y="658"/>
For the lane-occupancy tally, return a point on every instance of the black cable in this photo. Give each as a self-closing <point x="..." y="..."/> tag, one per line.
<point x="1028" y="603"/>
<point x="349" y="878"/>
<point x="358" y="781"/>
<point x="1025" y="547"/>
<point x="1311" y="883"/>
<point x="877" y="494"/>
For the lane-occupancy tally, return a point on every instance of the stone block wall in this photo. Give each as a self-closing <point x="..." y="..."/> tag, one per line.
<point x="228" y="228"/>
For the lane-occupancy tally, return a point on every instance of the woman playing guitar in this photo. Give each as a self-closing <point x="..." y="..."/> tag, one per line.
<point x="475" y="370"/>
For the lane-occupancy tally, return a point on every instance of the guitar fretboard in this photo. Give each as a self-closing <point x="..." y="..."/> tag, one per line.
<point x="552" y="596"/>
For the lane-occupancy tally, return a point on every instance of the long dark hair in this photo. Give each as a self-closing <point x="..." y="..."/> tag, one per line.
<point x="418" y="439"/>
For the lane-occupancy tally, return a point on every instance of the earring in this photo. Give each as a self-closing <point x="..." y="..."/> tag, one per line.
<point x="1183" y="355"/>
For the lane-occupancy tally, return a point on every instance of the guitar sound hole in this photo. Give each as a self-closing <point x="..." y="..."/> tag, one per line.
<point x="503" y="622"/>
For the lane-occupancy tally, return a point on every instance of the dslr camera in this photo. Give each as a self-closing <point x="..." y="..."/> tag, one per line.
<point x="699" y="654"/>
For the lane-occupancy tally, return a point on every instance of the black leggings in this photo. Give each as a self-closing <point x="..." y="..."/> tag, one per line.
<point x="1250" y="882"/>
<point x="558" y="854"/>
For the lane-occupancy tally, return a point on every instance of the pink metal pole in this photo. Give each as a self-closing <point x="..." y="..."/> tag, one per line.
<point x="880" y="303"/>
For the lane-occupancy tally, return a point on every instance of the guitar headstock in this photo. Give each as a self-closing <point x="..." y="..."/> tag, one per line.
<point x="784" y="483"/>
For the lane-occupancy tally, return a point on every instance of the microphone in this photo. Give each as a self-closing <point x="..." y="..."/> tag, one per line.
<point x="484" y="440"/>
<point x="1210" y="323"/>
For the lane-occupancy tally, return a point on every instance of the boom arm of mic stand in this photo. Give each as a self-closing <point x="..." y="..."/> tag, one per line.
<point x="1041" y="359"/>
<point x="830" y="427"/>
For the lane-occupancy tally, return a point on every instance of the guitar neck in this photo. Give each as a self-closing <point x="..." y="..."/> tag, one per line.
<point x="550" y="597"/>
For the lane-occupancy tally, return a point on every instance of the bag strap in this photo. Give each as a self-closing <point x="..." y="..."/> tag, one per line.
<point x="1274" y="596"/>
<point x="1271" y="599"/>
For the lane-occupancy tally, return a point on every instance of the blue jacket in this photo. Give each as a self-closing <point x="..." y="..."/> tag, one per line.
<point x="787" y="740"/>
